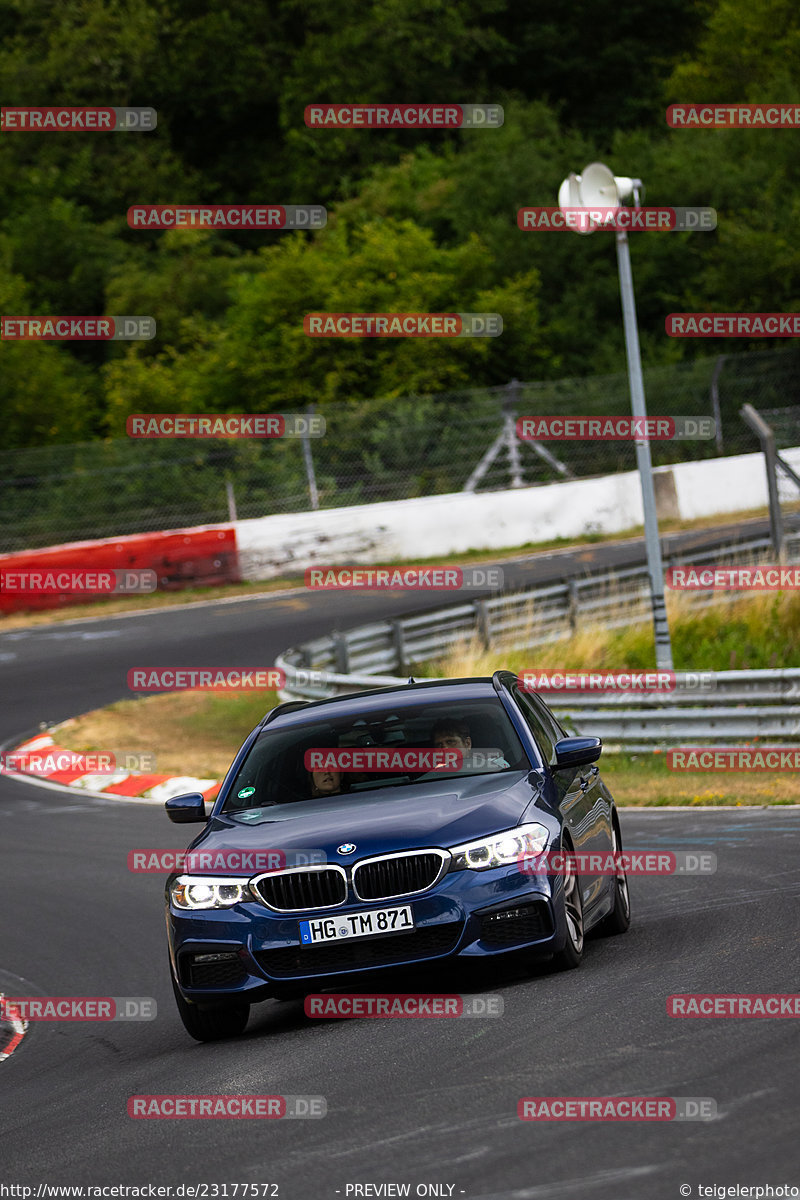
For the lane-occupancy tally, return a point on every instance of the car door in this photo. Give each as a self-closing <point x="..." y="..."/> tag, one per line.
<point x="582" y="800"/>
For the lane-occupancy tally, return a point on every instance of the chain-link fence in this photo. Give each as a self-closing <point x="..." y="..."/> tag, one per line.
<point x="375" y="450"/>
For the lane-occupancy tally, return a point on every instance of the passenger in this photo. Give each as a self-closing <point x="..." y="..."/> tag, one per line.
<point x="325" y="782"/>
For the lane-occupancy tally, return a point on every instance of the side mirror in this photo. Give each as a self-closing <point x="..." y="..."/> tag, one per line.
<point x="577" y="752"/>
<point x="183" y="809"/>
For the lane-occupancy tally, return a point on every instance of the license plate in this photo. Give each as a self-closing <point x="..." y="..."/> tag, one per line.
<point x="352" y="925"/>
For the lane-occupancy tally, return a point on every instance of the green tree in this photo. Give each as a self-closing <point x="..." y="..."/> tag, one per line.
<point x="47" y="395"/>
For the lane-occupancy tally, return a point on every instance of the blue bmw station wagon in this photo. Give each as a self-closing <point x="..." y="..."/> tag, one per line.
<point x="306" y="877"/>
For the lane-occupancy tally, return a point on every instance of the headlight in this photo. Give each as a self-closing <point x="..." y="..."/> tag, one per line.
<point x="501" y="849"/>
<point x="198" y="891"/>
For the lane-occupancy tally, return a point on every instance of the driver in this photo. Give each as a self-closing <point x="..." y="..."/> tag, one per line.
<point x="451" y="733"/>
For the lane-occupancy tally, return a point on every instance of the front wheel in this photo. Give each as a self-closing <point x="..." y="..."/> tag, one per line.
<point x="210" y="1024"/>
<point x="572" y="954"/>
<point x="619" y="919"/>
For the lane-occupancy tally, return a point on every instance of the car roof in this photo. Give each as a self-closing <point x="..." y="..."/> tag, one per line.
<point x="447" y="690"/>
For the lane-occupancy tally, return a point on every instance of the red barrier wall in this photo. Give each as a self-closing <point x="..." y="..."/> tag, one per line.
<point x="181" y="558"/>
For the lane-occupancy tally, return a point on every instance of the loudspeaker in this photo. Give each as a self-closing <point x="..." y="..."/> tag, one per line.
<point x="569" y="196"/>
<point x="598" y="187"/>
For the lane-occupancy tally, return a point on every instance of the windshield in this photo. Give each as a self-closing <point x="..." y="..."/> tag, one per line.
<point x="383" y="749"/>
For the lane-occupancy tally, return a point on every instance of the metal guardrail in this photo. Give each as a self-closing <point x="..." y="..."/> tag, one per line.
<point x="737" y="706"/>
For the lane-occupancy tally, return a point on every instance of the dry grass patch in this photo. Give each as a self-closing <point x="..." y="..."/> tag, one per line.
<point x="740" y="632"/>
<point x="646" y="781"/>
<point x="190" y="733"/>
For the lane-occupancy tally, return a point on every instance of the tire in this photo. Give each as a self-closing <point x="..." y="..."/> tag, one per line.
<point x="619" y="919"/>
<point x="572" y="954"/>
<point x="210" y="1024"/>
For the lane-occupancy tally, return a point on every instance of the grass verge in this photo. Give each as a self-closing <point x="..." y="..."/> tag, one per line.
<point x="190" y="733"/>
<point x="645" y="781"/>
<point x="738" y="632"/>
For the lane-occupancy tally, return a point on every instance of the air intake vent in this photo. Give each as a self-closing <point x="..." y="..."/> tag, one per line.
<point x="302" y="890"/>
<point x="394" y="875"/>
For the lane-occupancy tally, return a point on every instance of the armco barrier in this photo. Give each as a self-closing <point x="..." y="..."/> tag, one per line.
<point x="515" y="621"/>
<point x="181" y="558"/>
<point x="726" y="713"/>
<point x="736" y="706"/>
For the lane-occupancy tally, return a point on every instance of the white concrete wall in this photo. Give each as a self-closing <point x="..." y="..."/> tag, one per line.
<point x="724" y="485"/>
<point x="442" y="525"/>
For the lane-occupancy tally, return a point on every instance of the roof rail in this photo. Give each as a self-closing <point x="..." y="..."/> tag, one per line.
<point x="289" y="706"/>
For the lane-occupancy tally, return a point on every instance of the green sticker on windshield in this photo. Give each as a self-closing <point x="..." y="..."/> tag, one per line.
<point x="245" y="792"/>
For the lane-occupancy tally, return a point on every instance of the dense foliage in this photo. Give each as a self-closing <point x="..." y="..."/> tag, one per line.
<point x="417" y="221"/>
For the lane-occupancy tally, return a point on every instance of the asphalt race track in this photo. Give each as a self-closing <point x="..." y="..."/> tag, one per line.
<point x="417" y="1102"/>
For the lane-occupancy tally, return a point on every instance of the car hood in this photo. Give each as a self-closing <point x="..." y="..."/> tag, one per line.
<point x="441" y="813"/>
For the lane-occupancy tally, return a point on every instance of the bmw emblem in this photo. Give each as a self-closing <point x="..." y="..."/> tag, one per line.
<point x="346" y="848"/>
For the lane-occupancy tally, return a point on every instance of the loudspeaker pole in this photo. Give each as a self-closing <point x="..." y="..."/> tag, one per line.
<point x="598" y="187"/>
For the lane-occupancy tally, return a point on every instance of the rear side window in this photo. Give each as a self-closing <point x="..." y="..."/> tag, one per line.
<point x="549" y="719"/>
<point x="544" y="732"/>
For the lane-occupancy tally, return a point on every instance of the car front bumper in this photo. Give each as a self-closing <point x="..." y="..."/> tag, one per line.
<point x="249" y="952"/>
